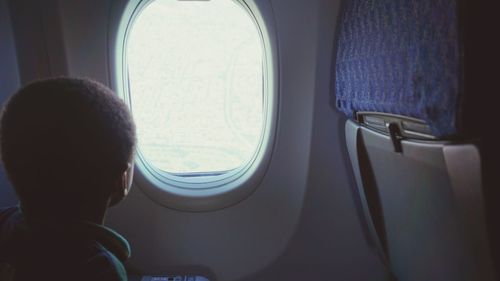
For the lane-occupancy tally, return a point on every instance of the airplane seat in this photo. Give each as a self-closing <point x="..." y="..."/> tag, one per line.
<point x="410" y="135"/>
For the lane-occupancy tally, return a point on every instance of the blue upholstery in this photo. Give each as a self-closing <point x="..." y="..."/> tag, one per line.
<point x="400" y="57"/>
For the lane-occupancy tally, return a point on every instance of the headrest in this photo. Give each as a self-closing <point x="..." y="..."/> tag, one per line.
<point x="401" y="57"/>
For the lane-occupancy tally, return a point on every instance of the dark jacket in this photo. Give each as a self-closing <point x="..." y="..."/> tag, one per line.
<point x="54" y="251"/>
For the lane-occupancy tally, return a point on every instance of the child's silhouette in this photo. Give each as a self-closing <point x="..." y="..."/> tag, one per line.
<point x="67" y="146"/>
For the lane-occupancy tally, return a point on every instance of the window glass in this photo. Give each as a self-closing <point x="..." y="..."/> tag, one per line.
<point x="196" y="85"/>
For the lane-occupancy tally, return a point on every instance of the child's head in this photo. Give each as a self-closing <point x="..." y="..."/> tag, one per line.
<point x="67" y="146"/>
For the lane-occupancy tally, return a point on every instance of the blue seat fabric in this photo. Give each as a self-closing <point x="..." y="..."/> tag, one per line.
<point x="400" y="57"/>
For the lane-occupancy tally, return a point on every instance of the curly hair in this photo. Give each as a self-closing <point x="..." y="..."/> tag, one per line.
<point x="65" y="138"/>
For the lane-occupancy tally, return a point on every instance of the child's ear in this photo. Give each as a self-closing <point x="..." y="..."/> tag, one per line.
<point x="122" y="185"/>
<point x="127" y="177"/>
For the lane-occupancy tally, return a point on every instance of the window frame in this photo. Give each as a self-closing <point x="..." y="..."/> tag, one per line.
<point x="204" y="193"/>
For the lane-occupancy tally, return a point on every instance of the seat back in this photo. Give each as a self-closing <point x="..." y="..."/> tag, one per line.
<point x="399" y="79"/>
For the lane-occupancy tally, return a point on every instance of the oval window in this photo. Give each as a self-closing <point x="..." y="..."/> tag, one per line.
<point x="195" y="72"/>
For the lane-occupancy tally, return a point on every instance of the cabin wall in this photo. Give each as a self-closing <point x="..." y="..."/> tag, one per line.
<point x="31" y="47"/>
<point x="328" y="243"/>
<point x="9" y="82"/>
<point x="300" y="223"/>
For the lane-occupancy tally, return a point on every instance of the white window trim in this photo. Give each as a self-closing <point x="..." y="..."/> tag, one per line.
<point x="212" y="192"/>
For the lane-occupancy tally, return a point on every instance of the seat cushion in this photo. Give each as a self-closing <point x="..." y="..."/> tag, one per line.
<point x="401" y="57"/>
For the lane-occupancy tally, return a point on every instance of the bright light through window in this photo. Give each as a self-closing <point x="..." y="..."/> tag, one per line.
<point x="195" y="75"/>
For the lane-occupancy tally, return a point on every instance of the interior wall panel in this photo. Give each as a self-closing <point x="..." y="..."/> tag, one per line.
<point x="9" y="82"/>
<point x="300" y="223"/>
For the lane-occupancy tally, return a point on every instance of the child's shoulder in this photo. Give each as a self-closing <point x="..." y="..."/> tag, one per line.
<point x="6" y="213"/>
<point x="86" y="251"/>
<point x="10" y="219"/>
<point x="104" y="266"/>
